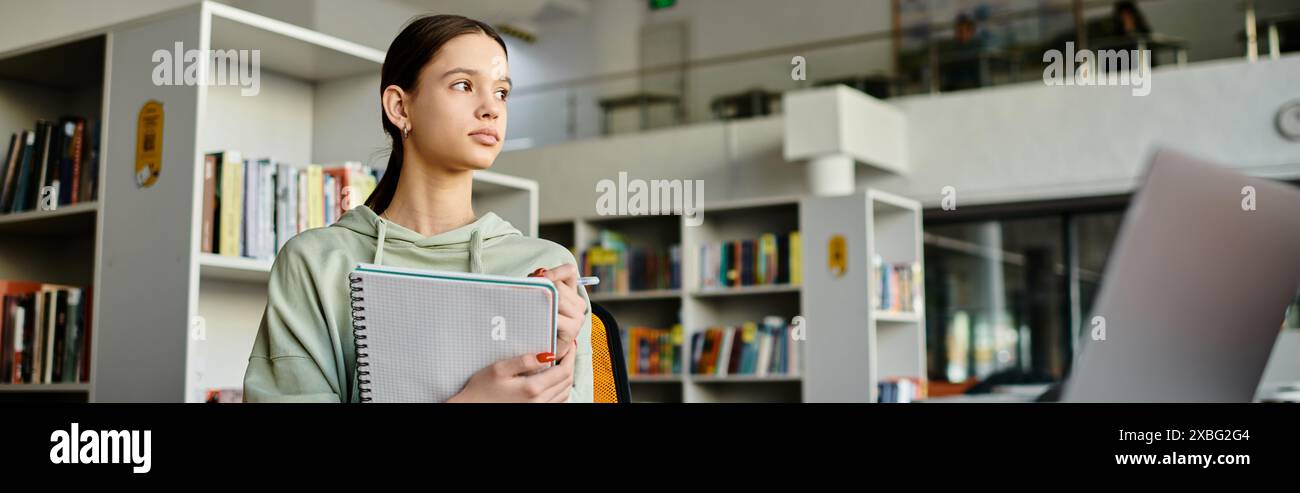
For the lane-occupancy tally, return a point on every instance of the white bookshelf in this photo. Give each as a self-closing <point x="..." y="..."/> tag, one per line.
<point x="855" y="346"/>
<point x="45" y="81"/>
<point x="318" y="103"/>
<point x="849" y="346"/>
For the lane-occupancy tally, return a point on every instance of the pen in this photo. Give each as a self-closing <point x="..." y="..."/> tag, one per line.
<point x="588" y="281"/>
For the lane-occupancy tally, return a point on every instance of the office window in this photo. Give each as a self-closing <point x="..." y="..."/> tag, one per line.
<point x="1096" y="234"/>
<point x="1008" y="288"/>
<point x="997" y="299"/>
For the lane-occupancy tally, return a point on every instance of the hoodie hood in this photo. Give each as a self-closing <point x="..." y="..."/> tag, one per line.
<point x="470" y="237"/>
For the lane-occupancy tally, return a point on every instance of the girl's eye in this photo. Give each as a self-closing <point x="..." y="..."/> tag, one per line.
<point x="461" y="86"/>
<point x="502" y="93"/>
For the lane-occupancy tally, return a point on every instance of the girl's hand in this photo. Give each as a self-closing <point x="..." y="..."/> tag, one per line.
<point x="572" y="307"/>
<point x="514" y="380"/>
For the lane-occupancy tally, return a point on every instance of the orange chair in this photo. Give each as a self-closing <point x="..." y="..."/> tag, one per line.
<point x="609" y="369"/>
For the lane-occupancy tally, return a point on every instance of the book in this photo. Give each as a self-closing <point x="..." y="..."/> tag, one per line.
<point x="23" y="182"/>
<point x="315" y="196"/>
<point x="89" y="175"/>
<point x="424" y="333"/>
<point x="769" y="259"/>
<point x="248" y="211"/>
<point x="286" y="213"/>
<point x="73" y="334"/>
<point x="8" y="163"/>
<point x="54" y="162"/>
<point x="764" y="348"/>
<point x="652" y="350"/>
<point x="76" y="152"/>
<point x="897" y="287"/>
<point x="44" y="333"/>
<point x="68" y="157"/>
<point x="45" y="164"/>
<point x="900" y="389"/>
<point x="253" y="206"/>
<point x="264" y="225"/>
<point x="796" y="264"/>
<point x="231" y="197"/>
<point x="208" y="230"/>
<point x="626" y="268"/>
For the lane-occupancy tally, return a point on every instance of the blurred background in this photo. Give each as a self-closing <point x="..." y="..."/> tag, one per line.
<point x="695" y="89"/>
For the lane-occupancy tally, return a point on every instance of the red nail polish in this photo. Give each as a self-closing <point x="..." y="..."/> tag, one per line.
<point x="545" y="357"/>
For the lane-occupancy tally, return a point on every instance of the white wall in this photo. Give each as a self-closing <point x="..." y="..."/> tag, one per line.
<point x="372" y="23"/>
<point x="27" y="23"/>
<point x="1011" y="143"/>
<point x="1033" y="141"/>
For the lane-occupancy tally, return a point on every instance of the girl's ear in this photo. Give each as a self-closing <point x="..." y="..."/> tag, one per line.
<point x="395" y="100"/>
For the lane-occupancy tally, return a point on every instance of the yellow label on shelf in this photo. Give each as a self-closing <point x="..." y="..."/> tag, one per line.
<point x="148" y="144"/>
<point x="837" y="255"/>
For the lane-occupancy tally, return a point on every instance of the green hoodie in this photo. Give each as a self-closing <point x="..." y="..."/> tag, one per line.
<point x="304" y="349"/>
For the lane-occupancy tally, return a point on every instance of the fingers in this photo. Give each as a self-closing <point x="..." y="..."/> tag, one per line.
<point x="555" y="374"/>
<point x="522" y="364"/>
<point x="571" y="307"/>
<point x="565" y="276"/>
<point x="559" y="392"/>
<point x="566" y="273"/>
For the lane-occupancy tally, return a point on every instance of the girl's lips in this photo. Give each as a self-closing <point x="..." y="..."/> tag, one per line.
<point x="485" y="139"/>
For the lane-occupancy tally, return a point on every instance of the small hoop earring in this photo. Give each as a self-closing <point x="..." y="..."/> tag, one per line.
<point x="406" y="131"/>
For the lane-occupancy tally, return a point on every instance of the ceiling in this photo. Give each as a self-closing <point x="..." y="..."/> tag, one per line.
<point x="523" y="12"/>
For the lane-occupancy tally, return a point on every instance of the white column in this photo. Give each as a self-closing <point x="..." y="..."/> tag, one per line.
<point x="830" y="175"/>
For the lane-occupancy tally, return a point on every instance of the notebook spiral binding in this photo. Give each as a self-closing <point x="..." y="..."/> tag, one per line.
<point x="359" y="336"/>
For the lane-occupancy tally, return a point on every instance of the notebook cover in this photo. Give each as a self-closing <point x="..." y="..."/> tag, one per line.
<point x="421" y="334"/>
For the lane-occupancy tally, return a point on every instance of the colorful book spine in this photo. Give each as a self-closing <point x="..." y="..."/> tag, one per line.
<point x="231" y="195"/>
<point x="751" y="348"/>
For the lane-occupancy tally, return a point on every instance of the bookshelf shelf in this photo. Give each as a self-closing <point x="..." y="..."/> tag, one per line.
<point x="290" y="49"/>
<point x="65" y="219"/>
<point x="899" y="317"/>
<point x="62" y="82"/>
<point x="44" y="387"/>
<point x="746" y="290"/>
<point x="714" y="379"/>
<point x="650" y="294"/>
<point x="221" y="267"/>
<point x="856" y="345"/>
<point x="655" y="379"/>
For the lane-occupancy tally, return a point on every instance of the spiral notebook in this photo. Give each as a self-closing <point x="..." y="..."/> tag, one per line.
<point x="421" y="334"/>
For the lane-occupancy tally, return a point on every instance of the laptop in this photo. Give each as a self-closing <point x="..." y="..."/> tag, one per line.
<point x="1195" y="292"/>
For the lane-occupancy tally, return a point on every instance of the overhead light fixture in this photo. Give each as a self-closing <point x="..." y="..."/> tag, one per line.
<point x="515" y="30"/>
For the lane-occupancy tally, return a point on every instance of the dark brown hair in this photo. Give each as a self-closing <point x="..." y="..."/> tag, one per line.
<point x="418" y="42"/>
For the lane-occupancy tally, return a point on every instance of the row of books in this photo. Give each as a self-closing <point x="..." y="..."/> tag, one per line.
<point x="44" y="333"/>
<point x="899" y="287"/>
<point x="55" y="164"/>
<point x="623" y="268"/>
<point x="770" y="259"/>
<point x="653" y="351"/>
<point x="759" y="349"/>
<point x="900" y="390"/>
<point x="224" y="395"/>
<point x="251" y="207"/>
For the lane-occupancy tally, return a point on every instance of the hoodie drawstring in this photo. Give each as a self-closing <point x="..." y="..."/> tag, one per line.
<point x="475" y="247"/>
<point x="475" y="252"/>
<point x="379" y="246"/>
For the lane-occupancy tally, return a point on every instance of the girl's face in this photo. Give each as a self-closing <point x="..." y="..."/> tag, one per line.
<point x="458" y="112"/>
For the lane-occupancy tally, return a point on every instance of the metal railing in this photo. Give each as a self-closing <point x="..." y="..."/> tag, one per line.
<point x="898" y="62"/>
